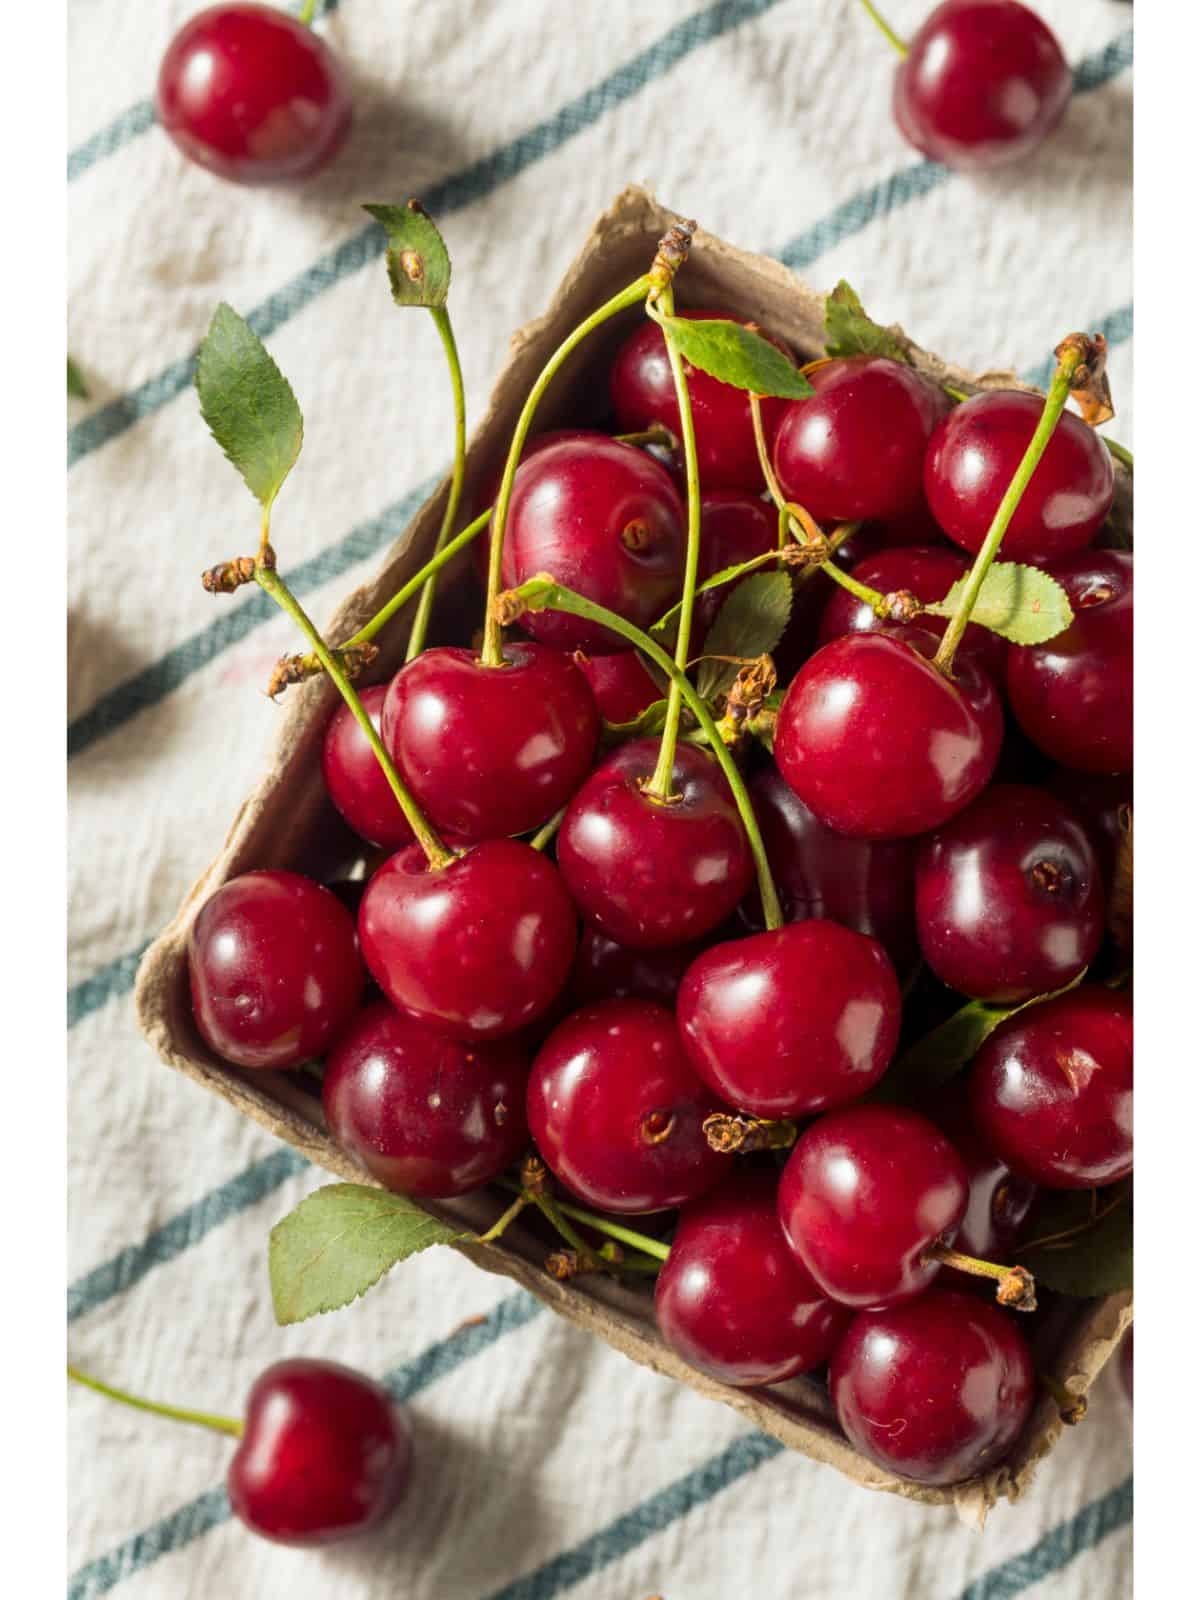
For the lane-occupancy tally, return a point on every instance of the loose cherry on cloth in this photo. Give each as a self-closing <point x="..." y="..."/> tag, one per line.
<point x="1052" y="1090"/>
<point x="324" y="1454"/>
<point x="983" y="83"/>
<point x="274" y="969"/>
<point x="651" y="873"/>
<point x="732" y="1299"/>
<point x="973" y="456"/>
<point x="643" y="393"/>
<point x="617" y="1113"/>
<point x="866" y="1193"/>
<point x="253" y="94"/>
<point x="620" y="684"/>
<point x="878" y="743"/>
<point x="491" y="751"/>
<point x="476" y="949"/>
<point x="936" y="1390"/>
<point x="792" y="1021"/>
<point x="425" y="1114"/>
<point x="1009" y="898"/>
<point x="355" y="780"/>
<point x="1073" y="695"/>
<point x="606" y="970"/>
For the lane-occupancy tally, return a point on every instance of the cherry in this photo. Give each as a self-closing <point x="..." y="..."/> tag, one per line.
<point x="649" y="873"/>
<point x="425" y="1114"/>
<point x="983" y="83"/>
<point x="936" y="1390"/>
<point x="878" y="743"/>
<point x="620" y="684"/>
<point x="792" y="1021"/>
<point x="324" y="1454"/>
<point x="643" y="393"/>
<point x="1073" y="695"/>
<point x="491" y="751"/>
<point x="617" y="1113"/>
<point x="1099" y="802"/>
<point x="1052" y="1090"/>
<point x="973" y="456"/>
<point x="253" y="94"/>
<point x="604" y="519"/>
<point x="732" y="1299"/>
<point x="480" y="549"/>
<point x="606" y="970"/>
<point x="855" y="448"/>
<point x="274" y="969"/>
<point x="1009" y="899"/>
<point x="476" y="949"/>
<point x="867" y="1192"/>
<point x="355" y="780"/>
<point x="734" y="527"/>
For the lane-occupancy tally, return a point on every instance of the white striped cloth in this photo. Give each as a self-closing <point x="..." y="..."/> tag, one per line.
<point x="547" y="1464"/>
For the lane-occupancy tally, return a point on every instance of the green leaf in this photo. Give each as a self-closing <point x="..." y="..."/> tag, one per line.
<point x="750" y="624"/>
<point x="649" y="720"/>
<point x="1098" y="1259"/>
<point x="666" y="628"/>
<point x="339" y="1242"/>
<point x="849" y="331"/>
<point x="76" y="383"/>
<point x="1019" y="603"/>
<point x="418" y="262"/>
<point x="248" y="405"/>
<point x="727" y="351"/>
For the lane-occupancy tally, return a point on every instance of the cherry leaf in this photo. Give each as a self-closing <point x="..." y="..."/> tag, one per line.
<point x="849" y="331"/>
<point x="1097" y="1258"/>
<point x="339" y="1242"/>
<point x="735" y="355"/>
<point x="418" y="262"/>
<point x="248" y="404"/>
<point x="76" y="383"/>
<point x="750" y="624"/>
<point x="666" y="628"/>
<point x="1021" y="604"/>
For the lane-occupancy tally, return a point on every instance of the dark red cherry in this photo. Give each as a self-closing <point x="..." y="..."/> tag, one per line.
<point x="355" y="780"/>
<point x="792" y="1021"/>
<point x="620" y="684"/>
<point x="998" y="1201"/>
<point x="324" y="1454"/>
<point x="643" y="392"/>
<point x="253" y="94"/>
<point x="732" y="1299"/>
<point x="491" y="751"/>
<point x="867" y="1191"/>
<point x="650" y="874"/>
<point x="274" y="968"/>
<point x="606" y="970"/>
<point x="855" y="448"/>
<point x="617" y="1113"/>
<point x="476" y="949"/>
<point x="424" y="1113"/>
<point x="983" y="83"/>
<point x="486" y="496"/>
<point x="1073" y="695"/>
<point x="1052" y="1090"/>
<point x="971" y="461"/>
<point x="937" y="1390"/>
<point x="1009" y="899"/>
<point x="1100" y="802"/>
<point x="604" y="519"/>
<point x="878" y="743"/>
<point x="734" y="527"/>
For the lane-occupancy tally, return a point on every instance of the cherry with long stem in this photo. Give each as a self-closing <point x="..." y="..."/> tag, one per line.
<point x="1015" y="1286"/>
<point x="420" y="625"/>
<point x="202" y="1419"/>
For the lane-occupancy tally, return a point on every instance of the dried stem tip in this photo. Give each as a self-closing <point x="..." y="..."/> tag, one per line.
<point x="813" y="554"/>
<point x="1072" y="1408"/>
<point x="902" y="605"/>
<point x="229" y="575"/>
<point x="750" y="688"/>
<point x="1089" y="381"/>
<point x="295" y="669"/>
<point x="672" y="252"/>
<point x="534" y="1177"/>
<point x="507" y="607"/>
<point x="736" y="1134"/>
<point x="1017" y="1290"/>
<point x="564" y="1264"/>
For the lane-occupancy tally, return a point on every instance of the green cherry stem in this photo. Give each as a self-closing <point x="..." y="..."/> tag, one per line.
<point x="501" y="1223"/>
<point x="307" y="12"/>
<point x="420" y="626"/>
<point x="492" y="654"/>
<point x="1118" y="452"/>
<point x="202" y="1419"/>
<point x="546" y="832"/>
<point x="605" y="1225"/>
<point x="888" y="32"/>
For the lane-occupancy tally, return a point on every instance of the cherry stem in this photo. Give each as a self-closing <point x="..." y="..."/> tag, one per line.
<point x="492" y="654"/>
<point x="591" y="1219"/>
<point x="543" y="594"/>
<point x="306" y="13"/>
<point x="1014" y="1285"/>
<point x="734" y="1133"/>
<point x="420" y="626"/>
<point x="203" y="1419"/>
<point x="888" y="32"/>
<point x="654" y="434"/>
<point x="502" y="1222"/>
<point x="1072" y="1408"/>
<point x="1056" y="400"/>
<point x="546" y="832"/>
<point x="268" y="579"/>
<point x="1118" y="452"/>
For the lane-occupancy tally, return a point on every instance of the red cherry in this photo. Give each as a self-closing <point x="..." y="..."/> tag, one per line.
<point x="650" y="874"/>
<point x="878" y="743"/>
<point x="1073" y="695"/>
<point x="1009" y="899"/>
<point x="1052" y="1090"/>
<point x="620" y="684"/>
<point x="477" y="949"/>
<point x="792" y="1021"/>
<point x="324" y="1454"/>
<point x="734" y="527"/>
<point x="487" y="495"/>
<point x="274" y="968"/>
<point x="253" y="95"/>
<point x="1099" y="802"/>
<point x="606" y="970"/>
<point x="971" y="461"/>
<point x="983" y="83"/>
<point x="867" y="1191"/>
<point x="355" y="780"/>
<point x="425" y="1114"/>
<point x="616" y="1111"/>
<point x="732" y="1299"/>
<point x="604" y="519"/>
<point x="937" y="1390"/>
<point x="855" y="448"/>
<point x="643" y="393"/>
